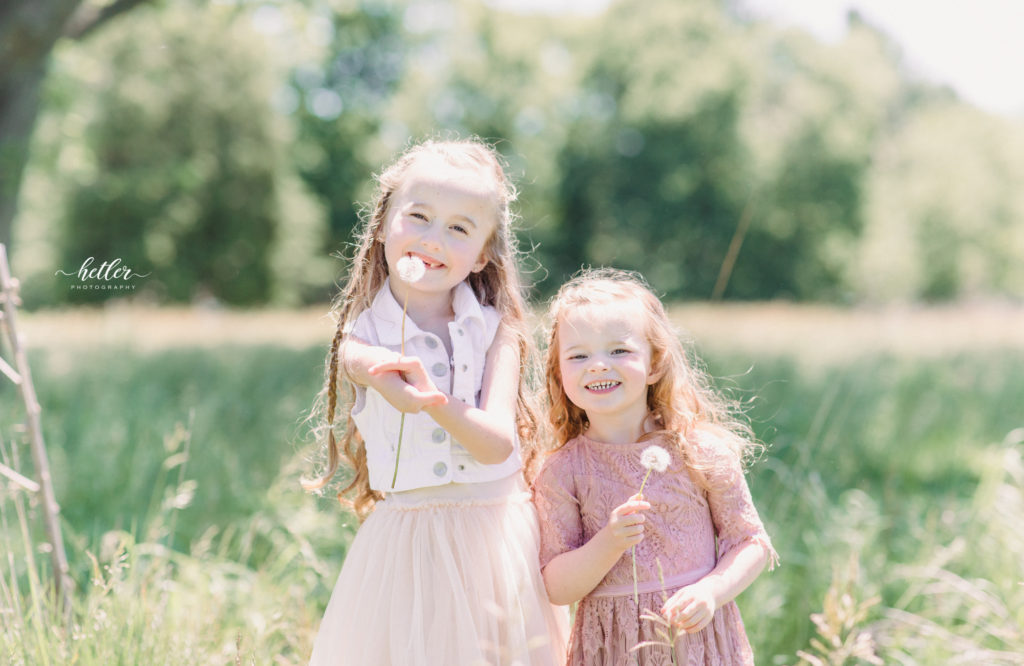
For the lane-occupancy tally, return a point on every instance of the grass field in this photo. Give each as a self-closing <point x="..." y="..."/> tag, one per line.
<point x="892" y="483"/>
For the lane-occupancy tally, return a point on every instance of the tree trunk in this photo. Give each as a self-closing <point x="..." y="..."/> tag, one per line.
<point x="29" y="29"/>
<point x="19" y="106"/>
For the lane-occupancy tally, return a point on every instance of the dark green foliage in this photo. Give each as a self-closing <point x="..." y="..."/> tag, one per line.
<point x="183" y="184"/>
<point x="341" y="104"/>
<point x="631" y="202"/>
<point x="813" y="202"/>
<point x="230" y="160"/>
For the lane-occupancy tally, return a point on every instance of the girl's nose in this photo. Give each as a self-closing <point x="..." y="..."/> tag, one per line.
<point x="597" y="365"/>
<point x="429" y="242"/>
<point x="429" y="239"/>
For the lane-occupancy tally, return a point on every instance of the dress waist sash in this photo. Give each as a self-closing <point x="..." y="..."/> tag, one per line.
<point x="673" y="582"/>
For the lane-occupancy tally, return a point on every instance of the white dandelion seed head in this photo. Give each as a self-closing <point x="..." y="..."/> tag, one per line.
<point x="655" y="458"/>
<point x="410" y="269"/>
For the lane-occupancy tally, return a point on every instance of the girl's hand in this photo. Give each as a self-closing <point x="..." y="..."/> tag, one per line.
<point x="691" y="608"/>
<point x="413" y="391"/>
<point x="625" y="527"/>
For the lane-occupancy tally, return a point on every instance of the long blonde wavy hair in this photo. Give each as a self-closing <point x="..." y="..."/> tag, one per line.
<point x="498" y="285"/>
<point x="682" y="403"/>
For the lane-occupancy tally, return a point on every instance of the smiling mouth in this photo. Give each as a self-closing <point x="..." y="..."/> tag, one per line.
<point x="602" y="386"/>
<point x="427" y="261"/>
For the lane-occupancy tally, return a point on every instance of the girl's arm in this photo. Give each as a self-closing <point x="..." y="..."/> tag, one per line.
<point x="410" y="392"/>
<point x="488" y="432"/>
<point x="692" y="607"/>
<point x="744" y="546"/>
<point x="574" y="574"/>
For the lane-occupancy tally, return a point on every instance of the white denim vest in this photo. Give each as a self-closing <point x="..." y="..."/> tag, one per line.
<point x="430" y="457"/>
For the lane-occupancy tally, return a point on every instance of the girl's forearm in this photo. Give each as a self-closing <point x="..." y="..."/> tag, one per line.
<point x="489" y="439"/>
<point x="487" y="431"/>
<point x="356" y="358"/>
<point x="574" y="574"/>
<point x="737" y="569"/>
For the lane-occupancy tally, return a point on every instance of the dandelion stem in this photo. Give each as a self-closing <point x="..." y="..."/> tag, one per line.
<point x="401" y="422"/>
<point x="644" y="482"/>
<point x="636" y="593"/>
<point x="401" y="427"/>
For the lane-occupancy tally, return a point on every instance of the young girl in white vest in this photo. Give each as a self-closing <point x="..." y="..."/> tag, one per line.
<point x="431" y="338"/>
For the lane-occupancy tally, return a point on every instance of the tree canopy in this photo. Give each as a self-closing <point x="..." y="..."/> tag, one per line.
<point x="227" y="150"/>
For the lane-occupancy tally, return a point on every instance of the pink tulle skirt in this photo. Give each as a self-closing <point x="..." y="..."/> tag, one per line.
<point x="444" y="576"/>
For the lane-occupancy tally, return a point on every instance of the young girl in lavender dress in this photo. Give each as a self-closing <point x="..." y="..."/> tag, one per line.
<point x="432" y="336"/>
<point x="619" y="382"/>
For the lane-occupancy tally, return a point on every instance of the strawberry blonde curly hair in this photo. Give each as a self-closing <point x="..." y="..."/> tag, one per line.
<point x="498" y="285"/>
<point x="683" y="405"/>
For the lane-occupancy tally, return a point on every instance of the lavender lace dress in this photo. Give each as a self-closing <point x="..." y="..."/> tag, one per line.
<point x="686" y="530"/>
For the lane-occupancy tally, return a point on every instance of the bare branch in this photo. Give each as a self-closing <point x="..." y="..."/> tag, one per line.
<point x="25" y="482"/>
<point x="88" y="18"/>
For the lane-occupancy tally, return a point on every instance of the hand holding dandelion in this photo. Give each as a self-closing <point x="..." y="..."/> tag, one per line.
<point x="410" y="270"/>
<point x="654" y="459"/>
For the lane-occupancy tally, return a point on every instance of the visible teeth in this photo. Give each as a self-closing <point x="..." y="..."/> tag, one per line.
<point x="429" y="263"/>
<point x="600" y="386"/>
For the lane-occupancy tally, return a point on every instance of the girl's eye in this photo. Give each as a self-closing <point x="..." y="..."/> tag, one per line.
<point x="619" y="351"/>
<point x="577" y="357"/>
<point x="459" y="229"/>
<point x="419" y="216"/>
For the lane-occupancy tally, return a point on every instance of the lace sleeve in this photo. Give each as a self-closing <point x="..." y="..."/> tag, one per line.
<point x="732" y="508"/>
<point x="558" y="509"/>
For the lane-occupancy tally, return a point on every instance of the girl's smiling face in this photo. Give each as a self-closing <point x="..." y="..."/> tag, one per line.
<point x="443" y="215"/>
<point x="605" y="363"/>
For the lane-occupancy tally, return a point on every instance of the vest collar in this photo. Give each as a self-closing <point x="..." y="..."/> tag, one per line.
<point x="388" y="313"/>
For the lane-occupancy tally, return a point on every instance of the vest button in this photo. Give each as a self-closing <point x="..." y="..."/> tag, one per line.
<point x="438" y="435"/>
<point x="431" y="343"/>
<point x="440" y="469"/>
<point x="439" y="369"/>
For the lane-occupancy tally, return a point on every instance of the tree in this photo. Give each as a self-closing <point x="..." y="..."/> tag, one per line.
<point x="654" y="175"/>
<point x="507" y="77"/>
<point x="809" y="219"/>
<point x="29" y="31"/>
<point x="183" y="153"/>
<point x="341" y="103"/>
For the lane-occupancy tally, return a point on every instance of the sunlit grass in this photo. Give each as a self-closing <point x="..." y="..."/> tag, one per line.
<point x="815" y="333"/>
<point x="237" y="593"/>
<point x="177" y="461"/>
<point x="884" y="459"/>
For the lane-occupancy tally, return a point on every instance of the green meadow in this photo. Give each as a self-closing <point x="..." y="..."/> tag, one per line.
<point x="892" y="485"/>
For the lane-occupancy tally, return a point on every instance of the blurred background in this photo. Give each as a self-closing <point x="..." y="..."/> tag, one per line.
<point x="221" y="148"/>
<point x="829" y="201"/>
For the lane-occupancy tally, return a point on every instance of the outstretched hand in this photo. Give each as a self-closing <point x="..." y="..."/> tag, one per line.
<point x="405" y="384"/>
